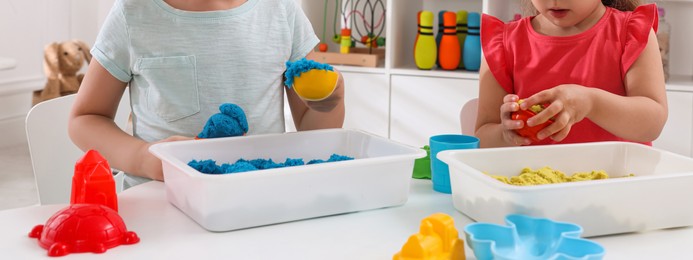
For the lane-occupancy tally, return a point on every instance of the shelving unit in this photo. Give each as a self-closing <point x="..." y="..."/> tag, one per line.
<point x="401" y="102"/>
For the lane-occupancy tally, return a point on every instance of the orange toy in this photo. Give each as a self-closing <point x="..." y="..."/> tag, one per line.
<point x="437" y="240"/>
<point x="449" y="53"/>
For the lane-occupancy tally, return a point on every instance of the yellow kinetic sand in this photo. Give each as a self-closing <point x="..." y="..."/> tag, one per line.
<point x="546" y="175"/>
<point x="437" y="240"/>
<point x="311" y="80"/>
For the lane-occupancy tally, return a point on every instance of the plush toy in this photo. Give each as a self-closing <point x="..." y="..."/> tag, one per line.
<point x="230" y="122"/>
<point x="61" y="62"/>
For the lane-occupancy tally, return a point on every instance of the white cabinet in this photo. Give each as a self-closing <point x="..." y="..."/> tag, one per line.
<point x="677" y="133"/>
<point x="423" y="107"/>
<point x="366" y="98"/>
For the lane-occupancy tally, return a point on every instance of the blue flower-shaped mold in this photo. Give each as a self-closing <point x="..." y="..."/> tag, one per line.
<point x="529" y="238"/>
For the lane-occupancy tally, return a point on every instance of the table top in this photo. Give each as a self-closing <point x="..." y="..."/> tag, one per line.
<point x="166" y="232"/>
<point x="6" y="63"/>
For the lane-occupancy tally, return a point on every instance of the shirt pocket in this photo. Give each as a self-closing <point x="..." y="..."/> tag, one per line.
<point x="172" y="91"/>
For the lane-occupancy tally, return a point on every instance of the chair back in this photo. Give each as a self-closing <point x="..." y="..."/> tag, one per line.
<point x="53" y="155"/>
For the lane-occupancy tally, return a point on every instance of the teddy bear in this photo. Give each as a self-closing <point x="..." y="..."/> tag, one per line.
<point x="61" y="62"/>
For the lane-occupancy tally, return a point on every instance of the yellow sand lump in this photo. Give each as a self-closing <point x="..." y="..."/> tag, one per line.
<point x="546" y="175"/>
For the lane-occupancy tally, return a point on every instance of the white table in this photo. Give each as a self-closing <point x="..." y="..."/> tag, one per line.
<point x="6" y="63"/>
<point x="167" y="233"/>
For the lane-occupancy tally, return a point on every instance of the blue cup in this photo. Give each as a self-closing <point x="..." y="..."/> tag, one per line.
<point x="440" y="173"/>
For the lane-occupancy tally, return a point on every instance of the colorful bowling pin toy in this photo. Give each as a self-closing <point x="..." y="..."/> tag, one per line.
<point x="312" y="80"/>
<point x="425" y="48"/>
<point x="439" y="36"/>
<point x="461" y="33"/>
<point x="418" y="25"/>
<point x="472" y="44"/>
<point x="449" y="49"/>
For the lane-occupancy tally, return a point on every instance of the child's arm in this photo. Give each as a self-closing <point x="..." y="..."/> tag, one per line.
<point x="639" y="116"/>
<point x="327" y="113"/>
<point x="91" y="125"/>
<point x="494" y="127"/>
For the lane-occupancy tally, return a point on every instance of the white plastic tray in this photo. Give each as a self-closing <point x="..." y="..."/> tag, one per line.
<point x="659" y="196"/>
<point x="378" y="177"/>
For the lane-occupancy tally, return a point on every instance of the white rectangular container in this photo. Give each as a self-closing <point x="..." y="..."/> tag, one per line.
<point x="378" y="177"/>
<point x="658" y="196"/>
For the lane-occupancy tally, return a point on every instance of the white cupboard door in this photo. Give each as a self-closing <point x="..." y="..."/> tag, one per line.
<point x="366" y="98"/>
<point x="676" y="135"/>
<point x="425" y="106"/>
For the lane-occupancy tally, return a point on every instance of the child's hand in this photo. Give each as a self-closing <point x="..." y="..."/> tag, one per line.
<point x="570" y="104"/>
<point x="150" y="165"/>
<point x="509" y="125"/>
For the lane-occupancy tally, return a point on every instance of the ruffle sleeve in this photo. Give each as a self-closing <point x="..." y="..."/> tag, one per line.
<point x="493" y="46"/>
<point x="637" y="32"/>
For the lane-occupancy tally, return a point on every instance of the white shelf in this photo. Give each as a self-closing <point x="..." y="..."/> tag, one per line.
<point x="345" y="68"/>
<point x="457" y="74"/>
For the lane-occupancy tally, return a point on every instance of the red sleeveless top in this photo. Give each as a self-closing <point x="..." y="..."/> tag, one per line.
<point x="525" y="62"/>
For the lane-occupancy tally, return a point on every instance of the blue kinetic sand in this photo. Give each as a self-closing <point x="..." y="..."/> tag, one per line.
<point x="529" y="238"/>
<point x="242" y="165"/>
<point x="294" y="69"/>
<point x="230" y="122"/>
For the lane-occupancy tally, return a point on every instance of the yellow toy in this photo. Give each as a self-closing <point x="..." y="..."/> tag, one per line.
<point x="437" y="240"/>
<point x="312" y="81"/>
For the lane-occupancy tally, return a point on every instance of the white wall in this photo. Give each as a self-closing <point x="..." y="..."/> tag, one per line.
<point x="26" y="27"/>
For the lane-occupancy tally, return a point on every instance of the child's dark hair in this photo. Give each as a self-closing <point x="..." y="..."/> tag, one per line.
<point x="622" y="5"/>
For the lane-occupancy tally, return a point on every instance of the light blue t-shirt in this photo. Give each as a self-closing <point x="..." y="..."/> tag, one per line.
<point x="182" y="65"/>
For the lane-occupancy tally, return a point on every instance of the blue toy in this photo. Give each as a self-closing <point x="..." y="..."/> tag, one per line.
<point x="242" y="165"/>
<point x="528" y="238"/>
<point x="472" y="43"/>
<point x="296" y="68"/>
<point x="230" y="122"/>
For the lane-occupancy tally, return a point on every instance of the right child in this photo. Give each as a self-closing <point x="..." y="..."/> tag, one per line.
<point x="596" y="63"/>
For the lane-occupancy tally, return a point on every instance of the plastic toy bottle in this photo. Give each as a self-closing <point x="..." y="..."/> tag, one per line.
<point x="418" y="29"/>
<point x="449" y="48"/>
<point x="663" y="40"/>
<point x="439" y="36"/>
<point x="472" y="44"/>
<point x="425" y="48"/>
<point x="461" y="33"/>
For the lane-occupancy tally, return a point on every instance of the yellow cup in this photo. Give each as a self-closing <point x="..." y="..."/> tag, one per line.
<point x="315" y="84"/>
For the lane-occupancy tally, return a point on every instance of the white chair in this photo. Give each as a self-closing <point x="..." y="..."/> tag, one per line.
<point x="53" y="155"/>
<point x="468" y="116"/>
